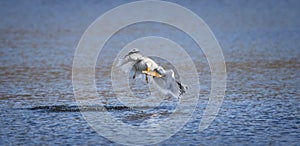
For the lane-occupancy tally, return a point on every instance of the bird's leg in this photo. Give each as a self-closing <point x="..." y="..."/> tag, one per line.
<point x="148" y="70"/>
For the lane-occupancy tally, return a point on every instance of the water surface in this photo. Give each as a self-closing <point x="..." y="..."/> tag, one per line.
<point x="260" y="41"/>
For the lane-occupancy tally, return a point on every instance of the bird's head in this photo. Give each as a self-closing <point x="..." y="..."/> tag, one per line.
<point x="133" y="54"/>
<point x="133" y="51"/>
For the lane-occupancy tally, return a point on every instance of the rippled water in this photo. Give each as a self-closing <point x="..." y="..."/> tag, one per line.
<point x="260" y="42"/>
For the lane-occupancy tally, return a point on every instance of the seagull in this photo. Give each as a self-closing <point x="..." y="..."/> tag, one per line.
<point x="164" y="79"/>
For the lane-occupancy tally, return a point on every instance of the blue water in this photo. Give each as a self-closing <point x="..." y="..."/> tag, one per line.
<point x="259" y="39"/>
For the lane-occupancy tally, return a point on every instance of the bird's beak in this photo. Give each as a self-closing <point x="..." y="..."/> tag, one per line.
<point x="152" y="73"/>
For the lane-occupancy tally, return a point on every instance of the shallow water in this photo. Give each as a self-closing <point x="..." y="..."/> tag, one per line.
<point x="260" y="42"/>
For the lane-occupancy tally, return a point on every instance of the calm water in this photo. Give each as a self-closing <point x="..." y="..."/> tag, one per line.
<point x="261" y="46"/>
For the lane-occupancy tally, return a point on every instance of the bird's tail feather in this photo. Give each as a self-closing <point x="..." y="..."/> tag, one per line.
<point x="182" y="88"/>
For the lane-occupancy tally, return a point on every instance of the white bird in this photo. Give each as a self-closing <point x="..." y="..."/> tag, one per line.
<point x="165" y="79"/>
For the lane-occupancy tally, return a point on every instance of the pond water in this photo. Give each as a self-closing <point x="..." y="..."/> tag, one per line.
<point x="259" y="39"/>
